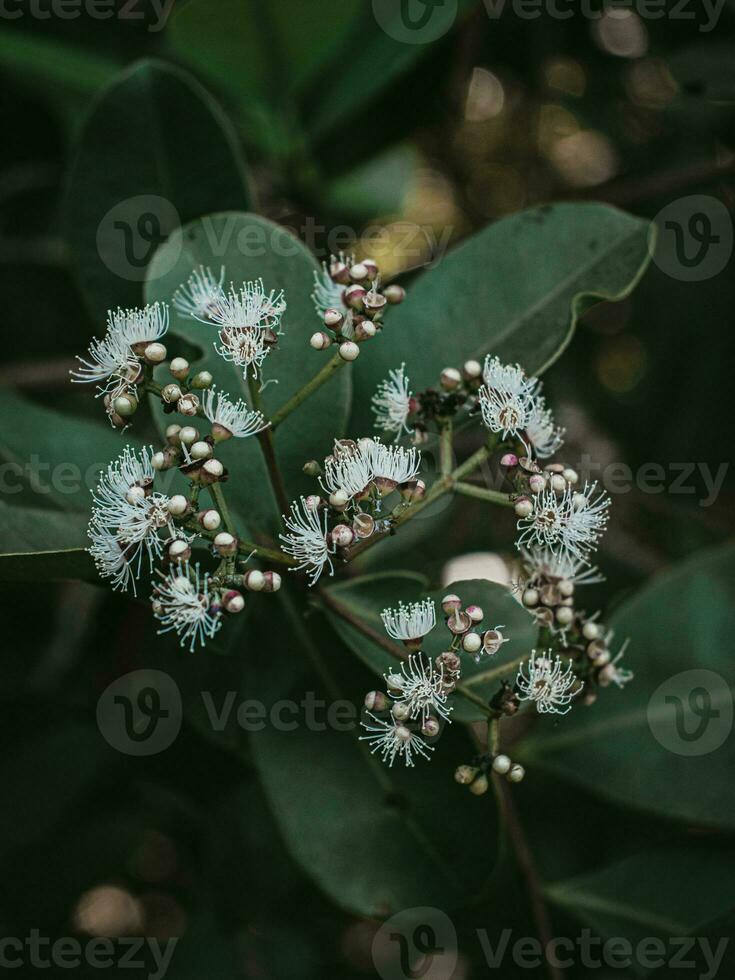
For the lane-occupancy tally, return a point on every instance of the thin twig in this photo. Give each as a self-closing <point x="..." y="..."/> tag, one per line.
<point x="320" y="378"/>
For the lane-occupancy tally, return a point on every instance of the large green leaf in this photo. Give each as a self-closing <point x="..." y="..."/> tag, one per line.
<point x="668" y="892"/>
<point x="40" y="545"/>
<point x="630" y="744"/>
<point x="364" y="598"/>
<point x="515" y="289"/>
<point x="155" y="153"/>
<point x="375" y="839"/>
<point x="250" y="247"/>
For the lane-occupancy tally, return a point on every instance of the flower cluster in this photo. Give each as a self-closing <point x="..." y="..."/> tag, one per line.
<point x="350" y="303"/>
<point x="355" y="480"/>
<point x="415" y="706"/>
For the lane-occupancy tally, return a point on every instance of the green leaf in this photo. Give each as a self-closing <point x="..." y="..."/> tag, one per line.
<point x="364" y="598"/>
<point x="249" y="248"/>
<point x="515" y="289"/>
<point x="43" y="545"/>
<point x="681" y="628"/>
<point x="375" y="839"/>
<point x="155" y="153"/>
<point x="668" y="892"/>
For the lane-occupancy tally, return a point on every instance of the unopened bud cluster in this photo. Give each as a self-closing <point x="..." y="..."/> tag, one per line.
<point x="476" y="777"/>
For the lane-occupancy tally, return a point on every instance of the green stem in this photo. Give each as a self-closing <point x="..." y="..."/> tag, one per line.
<point x="496" y="673"/>
<point x="265" y="438"/>
<point x="482" y="493"/>
<point x="215" y="491"/>
<point x="320" y="378"/>
<point x="245" y="547"/>
<point x="445" y="448"/>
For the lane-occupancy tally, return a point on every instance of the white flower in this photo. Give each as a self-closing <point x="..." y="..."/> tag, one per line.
<point x="236" y="417"/>
<point x="410" y="622"/>
<point x="392" y="403"/>
<point x="109" y="557"/>
<point x="394" y="740"/>
<point x="112" y="360"/>
<point x="248" y="308"/>
<point x="510" y="378"/>
<point x="545" y="438"/>
<point x="571" y="523"/>
<point x="421" y="688"/>
<point x="182" y="603"/>
<point x="392" y="463"/>
<point x="546" y="682"/>
<point x="201" y="293"/>
<point x="545" y="563"/>
<point x="348" y="469"/>
<point x="327" y="293"/>
<point x="245" y="348"/>
<point x="307" y="540"/>
<point x="138" y="326"/>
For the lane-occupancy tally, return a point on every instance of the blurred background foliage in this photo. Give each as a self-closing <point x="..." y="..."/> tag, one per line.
<point x="332" y="123"/>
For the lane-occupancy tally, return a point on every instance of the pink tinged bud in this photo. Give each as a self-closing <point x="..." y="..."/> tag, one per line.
<point x="349" y="351"/>
<point x="333" y="319"/>
<point x="339" y="499"/>
<point x="179" y="550"/>
<point x="384" y="486"/>
<point x="509" y="460"/>
<point x="450" y="603"/>
<point x="171" y="393"/>
<point x="536" y="483"/>
<point x="172" y="434"/>
<point x="472" y="370"/>
<point x="188" y="404"/>
<point x="220" y="433"/>
<point x="376" y="701"/>
<point x="372" y="268"/>
<point x="365" y="330"/>
<point x="450" y="379"/>
<point x="354" y="296"/>
<point x="395" y="294"/>
<point x="412" y="491"/>
<point x="225" y="543"/>
<point x="358" y="272"/>
<point x="501" y="764"/>
<point x="339" y="271"/>
<point x="465" y="774"/>
<point x="320" y="340"/>
<point x="233" y="601"/>
<point x="475" y="613"/>
<point x="178" y="505"/>
<point x="471" y="642"/>
<point x="188" y="434"/>
<point x="271" y="581"/>
<point x="155" y="353"/>
<point x="202" y="380"/>
<point x="313" y="501"/>
<point x="201" y="450"/>
<point x="606" y="675"/>
<point x="523" y="507"/>
<point x="179" y="368"/>
<point x="343" y="536"/>
<point x="492" y="641"/>
<point x="516" y="773"/>
<point x="254" y="581"/>
<point x="459" y="622"/>
<point x="480" y="786"/>
<point x="430" y="727"/>
<point x="210" y="520"/>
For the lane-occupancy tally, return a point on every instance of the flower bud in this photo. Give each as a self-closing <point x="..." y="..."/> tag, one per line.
<point x="363" y="525"/>
<point x="342" y="536"/>
<point x="188" y="435"/>
<point x="536" y="483"/>
<point x="333" y="319"/>
<point x="233" y="601"/>
<point x="516" y="774"/>
<point x="530" y="598"/>
<point x="313" y="501"/>
<point x="172" y="434"/>
<point x="376" y="701"/>
<point x="571" y="476"/>
<point x="401" y="711"/>
<point x="564" y="615"/>
<point x="254" y="580"/>
<point x="590" y="630"/>
<point x="566" y="589"/>
<point x="210" y="519"/>
<point x="135" y="494"/>
<point x="472" y="370"/>
<point x="365" y="330"/>
<point x="431" y="727"/>
<point x="492" y="641"/>
<point x="320" y="340"/>
<point x="188" y="404"/>
<point x="339" y="499"/>
<point x="339" y="271"/>
<point x="413" y="491"/>
<point x="349" y="351"/>
<point x="558" y="483"/>
<point x="523" y="507"/>
<point x="155" y="353"/>
<point x="501" y="764"/>
<point x="125" y="405"/>
<point x="312" y="468"/>
<point x="171" y="393"/>
<point x="480" y="786"/>
<point x="271" y="581"/>
<point x="509" y="460"/>
<point x="179" y="368"/>
<point x="465" y="774"/>
<point x="177" y="505"/>
<point x="225" y="543"/>
<point x="475" y="613"/>
<point x="579" y="501"/>
<point x="450" y="603"/>
<point x="395" y="294"/>
<point x="159" y="460"/>
<point x="354" y="296"/>
<point x="201" y="380"/>
<point x="471" y="642"/>
<point x="450" y="379"/>
<point x="179" y="550"/>
<point x="201" y="450"/>
<point x="372" y="269"/>
<point x="358" y="272"/>
<point x="212" y="471"/>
